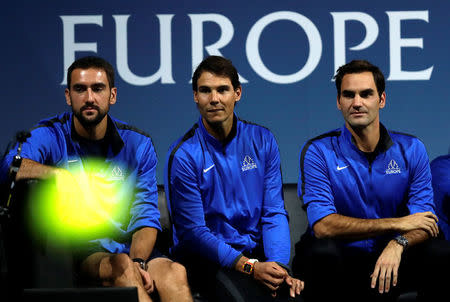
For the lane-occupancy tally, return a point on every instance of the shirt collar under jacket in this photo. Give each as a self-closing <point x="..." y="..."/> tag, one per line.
<point x="112" y="134"/>
<point x="215" y="142"/>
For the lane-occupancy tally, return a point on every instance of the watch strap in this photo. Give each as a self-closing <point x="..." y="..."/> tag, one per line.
<point x="402" y="241"/>
<point x="141" y="262"/>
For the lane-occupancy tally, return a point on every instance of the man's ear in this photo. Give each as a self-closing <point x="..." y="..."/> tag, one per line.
<point x="383" y="100"/>
<point x="113" y="96"/>
<point x="195" y="96"/>
<point x="238" y="93"/>
<point x="67" y="95"/>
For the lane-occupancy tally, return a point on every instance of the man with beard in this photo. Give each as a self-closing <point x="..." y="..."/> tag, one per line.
<point x="369" y="202"/>
<point x="71" y="140"/>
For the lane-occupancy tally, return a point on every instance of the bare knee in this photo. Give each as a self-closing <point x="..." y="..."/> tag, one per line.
<point x="121" y="268"/>
<point x="170" y="275"/>
<point x="120" y="262"/>
<point x="177" y="271"/>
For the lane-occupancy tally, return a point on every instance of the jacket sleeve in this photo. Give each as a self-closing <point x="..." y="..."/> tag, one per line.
<point x="144" y="210"/>
<point x="314" y="188"/>
<point x="186" y="208"/>
<point x="440" y="171"/>
<point x="39" y="147"/>
<point x="421" y="191"/>
<point x="274" y="218"/>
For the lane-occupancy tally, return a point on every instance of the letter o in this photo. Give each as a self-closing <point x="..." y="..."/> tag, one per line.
<point x="254" y="58"/>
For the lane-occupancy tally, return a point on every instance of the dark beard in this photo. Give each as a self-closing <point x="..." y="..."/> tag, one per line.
<point x="88" y="122"/>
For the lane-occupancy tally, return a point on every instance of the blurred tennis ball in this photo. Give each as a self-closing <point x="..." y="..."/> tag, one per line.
<point x="79" y="205"/>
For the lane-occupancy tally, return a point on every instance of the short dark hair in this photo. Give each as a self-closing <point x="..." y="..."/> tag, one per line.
<point x="359" y="66"/>
<point x="92" y="62"/>
<point x="219" y="66"/>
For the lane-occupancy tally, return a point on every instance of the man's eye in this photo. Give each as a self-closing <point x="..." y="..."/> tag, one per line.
<point x="78" y="89"/>
<point x="222" y="89"/>
<point x="204" y="90"/>
<point x="365" y="94"/>
<point x="348" y="94"/>
<point x="97" y="89"/>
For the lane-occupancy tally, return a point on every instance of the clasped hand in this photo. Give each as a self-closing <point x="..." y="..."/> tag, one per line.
<point x="273" y="275"/>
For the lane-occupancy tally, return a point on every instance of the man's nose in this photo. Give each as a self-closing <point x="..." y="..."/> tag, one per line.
<point x="357" y="101"/>
<point x="215" y="96"/>
<point x="90" y="95"/>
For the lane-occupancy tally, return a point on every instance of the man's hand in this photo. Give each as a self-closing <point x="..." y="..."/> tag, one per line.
<point x="386" y="268"/>
<point x="270" y="274"/>
<point x="425" y="221"/>
<point x="296" y="286"/>
<point x="147" y="280"/>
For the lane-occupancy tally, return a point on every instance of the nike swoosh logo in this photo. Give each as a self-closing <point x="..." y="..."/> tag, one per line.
<point x="341" y="168"/>
<point x="207" y="169"/>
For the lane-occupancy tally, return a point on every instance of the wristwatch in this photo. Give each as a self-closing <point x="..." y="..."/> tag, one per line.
<point x="249" y="265"/>
<point x="141" y="262"/>
<point x="402" y="241"/>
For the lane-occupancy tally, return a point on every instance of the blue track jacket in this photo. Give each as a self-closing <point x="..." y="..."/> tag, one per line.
<point x="440" y="170"/>
<point x="226" y="198"/>
<point x="131" y="160"/>
<point x="336" y="177"/>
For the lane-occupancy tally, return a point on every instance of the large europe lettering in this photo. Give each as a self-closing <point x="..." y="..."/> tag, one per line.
<point x="252" y="50"/>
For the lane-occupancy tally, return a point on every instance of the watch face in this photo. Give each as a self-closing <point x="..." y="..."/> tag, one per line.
<point x="247" y="268"/>
<point x="141" y="263"/>
<point x="402" y="240"/>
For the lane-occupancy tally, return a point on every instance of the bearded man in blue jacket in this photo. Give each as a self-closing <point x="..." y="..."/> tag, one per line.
<point x="72" y="141"/>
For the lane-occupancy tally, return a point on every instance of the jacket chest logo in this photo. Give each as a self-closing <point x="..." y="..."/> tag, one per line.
<point x="393" y="168"/>
<point x="248" y="164"/>
<point x="117" y="174"/>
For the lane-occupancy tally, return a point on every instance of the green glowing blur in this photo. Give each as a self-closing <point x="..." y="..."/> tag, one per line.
<point x="79" y="205"/>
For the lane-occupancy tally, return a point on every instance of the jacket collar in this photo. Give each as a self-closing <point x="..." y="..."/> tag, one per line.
<point x="112" y="135"/>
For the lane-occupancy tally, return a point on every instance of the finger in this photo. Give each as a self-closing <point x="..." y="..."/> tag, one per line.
<point x="270" y="285"/>
<point x="387" y="282"/>
<point x="146" y="279"/>
<point x="433" y="229"/>
<point x="436" y="227"/>
<point x="151" y="287"/>
<point x="279" y="274"/>
<point x="395" y="276"/>
<point x="289" y="280"/>
<point x="147" y="286"/>
<point x="434" y="216"/>
<point x="297" y="288"/>
<point x="274" y="281"/>
<point x="148" y="283"/>
<point x="292" y="290"/>
<point x="292" y="285"/>
<point x="301" y="287"/>
<point x="381" y="279"/>
<point x="375" y="276"/>
<point x="282" y="272"/>
<point x="429" y="229"/>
